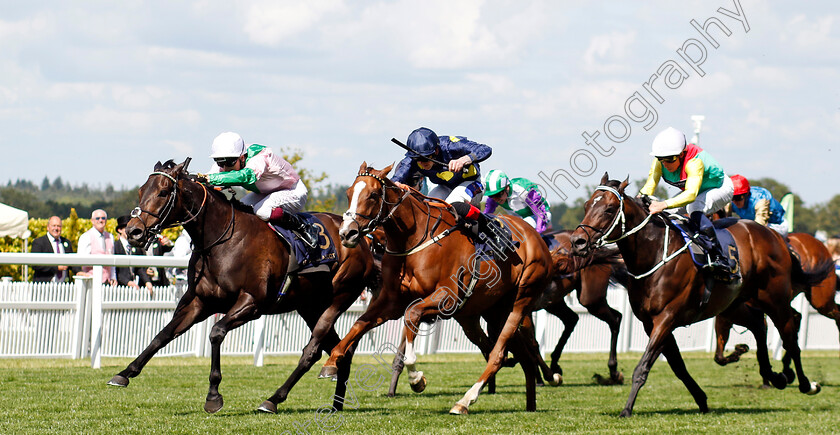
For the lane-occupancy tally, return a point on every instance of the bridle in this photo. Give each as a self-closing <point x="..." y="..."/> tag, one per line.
<point x="618" y="219"/>
<point x="381" y="217"/>
<point x="163" y="215"/>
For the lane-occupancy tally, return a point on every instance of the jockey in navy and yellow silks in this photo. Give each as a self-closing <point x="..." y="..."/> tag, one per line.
<point x="460" y="180"/>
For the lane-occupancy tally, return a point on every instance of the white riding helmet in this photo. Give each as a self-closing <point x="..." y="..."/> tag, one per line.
<point x="669" y="142"/>
<point x="228" y="144"/>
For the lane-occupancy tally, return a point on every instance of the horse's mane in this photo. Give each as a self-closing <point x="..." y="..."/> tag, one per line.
<point x="170" y="165"/>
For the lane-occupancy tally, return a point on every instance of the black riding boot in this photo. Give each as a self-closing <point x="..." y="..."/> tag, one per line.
<point x="308" y="233"/>
<point x="708" y="240"/>
<point x="480" y="224"/>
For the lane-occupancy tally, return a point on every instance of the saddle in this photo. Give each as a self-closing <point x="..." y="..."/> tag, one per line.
<point x="492" y="238"/>
<point x="699" y="253"/>
<point x="302" y="258"/>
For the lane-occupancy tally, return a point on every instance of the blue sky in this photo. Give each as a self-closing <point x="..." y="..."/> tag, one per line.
<point x="97" y="92"/>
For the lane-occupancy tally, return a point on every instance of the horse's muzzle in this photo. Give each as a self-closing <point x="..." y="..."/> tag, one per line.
<point x="580" y="245"/>
<point x="349" y="235"/>
<point x="135" y="235"/>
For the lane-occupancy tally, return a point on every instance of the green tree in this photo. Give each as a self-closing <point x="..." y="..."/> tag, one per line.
<point x="828" y="216"/>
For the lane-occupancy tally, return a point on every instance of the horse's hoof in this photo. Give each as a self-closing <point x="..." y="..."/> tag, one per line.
<point x="118" y="381"/>
<point x="618" y="378"/>
<point x="742" y="348"/>
<point x="213" y="405"/>
<point x="625" y="413"/>
<point x="815" y="389"/>
<point x="459" y="409"/>
<point x="779" y="380"/>
<point x="328" y="372"/>
<point x="420" y="386"/>
<point x="790" y="375"/>
<point x="556" y="380"/>
<point x="268" y="407"/>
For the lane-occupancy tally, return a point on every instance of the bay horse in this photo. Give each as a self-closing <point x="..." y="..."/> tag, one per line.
<point x="426" y="273"/>
<point x="238" y="267"/>
<point x="668" y="289"/>
<point x="815" y="259"/>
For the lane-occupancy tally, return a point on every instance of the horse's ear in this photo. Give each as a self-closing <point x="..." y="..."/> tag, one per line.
<point x="605" y="178"/>
<point x="157" y="166"/>
<point x="363" y="168"/>
<point x="387" y="169"/>
<point x="186" y="164"/>
<point x="624" y="184"/>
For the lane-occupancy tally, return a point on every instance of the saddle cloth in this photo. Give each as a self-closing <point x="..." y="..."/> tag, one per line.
<point x="303" y="258"/>
<point x="724" y="237"/>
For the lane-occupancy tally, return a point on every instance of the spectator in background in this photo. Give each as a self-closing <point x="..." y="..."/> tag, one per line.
<point x="181" y="248"/>
<point x="833" y="245"/>
<point x="157" y="275"/>
<point x="130" y="276"/>
<point x="52" y="243"/>
<point x="98" y="241"/>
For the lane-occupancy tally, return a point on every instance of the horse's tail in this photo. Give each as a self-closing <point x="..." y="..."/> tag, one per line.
<point x="814" y="275"/>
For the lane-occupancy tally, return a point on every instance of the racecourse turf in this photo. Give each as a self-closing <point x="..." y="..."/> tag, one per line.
<point x="67" y="396"/>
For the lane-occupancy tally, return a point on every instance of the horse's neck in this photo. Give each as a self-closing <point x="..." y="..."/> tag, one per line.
<point x="408" y="226"/>
<point x="643" y="249"/>
<point x="213" y="219"/>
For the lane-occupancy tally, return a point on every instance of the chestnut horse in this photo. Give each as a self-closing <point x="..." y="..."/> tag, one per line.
<point x="238" y="267"/>
<point x="813" y="257"/>
<point x="668" y="289"/>
<point x="426" y="272"/>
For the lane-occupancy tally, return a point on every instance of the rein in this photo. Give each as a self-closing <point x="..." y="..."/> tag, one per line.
<point x="620" y="217"/>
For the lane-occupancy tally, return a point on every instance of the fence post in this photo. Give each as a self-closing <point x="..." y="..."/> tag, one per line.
<point x="96" y="319"/>
<point x="627" y="322"/>
<point x="259" y="341"/>
<point x="805" y="309"/>
<point x="540" y="320"/>
<point x="78" y="335"/>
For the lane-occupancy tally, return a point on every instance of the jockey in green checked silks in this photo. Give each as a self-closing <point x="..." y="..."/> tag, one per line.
<point x="276" y="192"/>
<point x="519" y="196"/>
<point x="451" y="163"/>
<point x="705" y="189"/>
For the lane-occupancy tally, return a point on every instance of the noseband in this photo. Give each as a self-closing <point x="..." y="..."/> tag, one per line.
<point x="381" y="217"/>
<point x="619" y="218"/>
<point x="156" y="229"/>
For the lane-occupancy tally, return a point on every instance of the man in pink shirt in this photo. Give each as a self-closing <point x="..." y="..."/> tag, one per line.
<point x="98" y="241"/>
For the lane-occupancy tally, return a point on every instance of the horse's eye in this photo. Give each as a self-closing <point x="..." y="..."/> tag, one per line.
<point x="611" y="209"/>
<point x="163" y="193"/>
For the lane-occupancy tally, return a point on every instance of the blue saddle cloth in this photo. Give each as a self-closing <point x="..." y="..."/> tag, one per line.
<point x="486" y="247"/>
<point x="307" y="257"/>
<point x="724" y="237"/>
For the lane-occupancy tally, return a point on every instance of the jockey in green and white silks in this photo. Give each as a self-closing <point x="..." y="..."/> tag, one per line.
<point x="518" y="195"/>
<point x="277" y="193"/>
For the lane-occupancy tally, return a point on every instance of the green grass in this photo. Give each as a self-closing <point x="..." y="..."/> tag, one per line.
<point x="64" y="396"/>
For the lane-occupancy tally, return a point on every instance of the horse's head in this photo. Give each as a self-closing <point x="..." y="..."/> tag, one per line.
<point x="603" y="219"/>
<point x="369" y="206"/>
<point x="159" y="203"/>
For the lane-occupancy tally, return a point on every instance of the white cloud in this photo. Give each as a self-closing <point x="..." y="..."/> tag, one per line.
<point x="272" y="22"/>
<point x="607" y="52"/>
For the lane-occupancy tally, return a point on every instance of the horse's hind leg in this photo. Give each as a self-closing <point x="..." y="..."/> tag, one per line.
<point x="243" y="311"/>
<point x="514" y="319"/>
<point x="672" y="353"/>
<point x="323" y="338"/>
<point x="530" y="344"/>
<point x="189" y="312"/>
<point x="570" y="320"/>
<point x="397" y="367"/>
<point x="472" y="329"/>
<point x="753" y="319"/>
<point x="788" y="326"/>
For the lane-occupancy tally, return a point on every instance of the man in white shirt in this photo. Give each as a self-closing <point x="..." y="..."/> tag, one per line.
<point x="98" y="241"/>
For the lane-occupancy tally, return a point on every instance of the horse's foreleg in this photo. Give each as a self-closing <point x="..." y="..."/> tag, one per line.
<point x="659" y="333"/>
<point x="822" y="296"/>
<point x="672" y="353"/>
<point x="570" y="320"/>
<point x="528" y="334"/>
<point x="189" y="312"/>
<point x="472" y="329"/>
<point x="380" y="311"/>
<point x="722" y="328"/>
<point x="243" y="311"/>
<point x="413" y="318"/>
<point x="612" y="318"/>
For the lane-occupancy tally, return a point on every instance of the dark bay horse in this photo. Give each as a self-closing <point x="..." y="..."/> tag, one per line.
<point x="427" y="271"/>
<point x="238" y="267"/>
<point x="668" y="288"/>
<point x="814" y="259"/>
